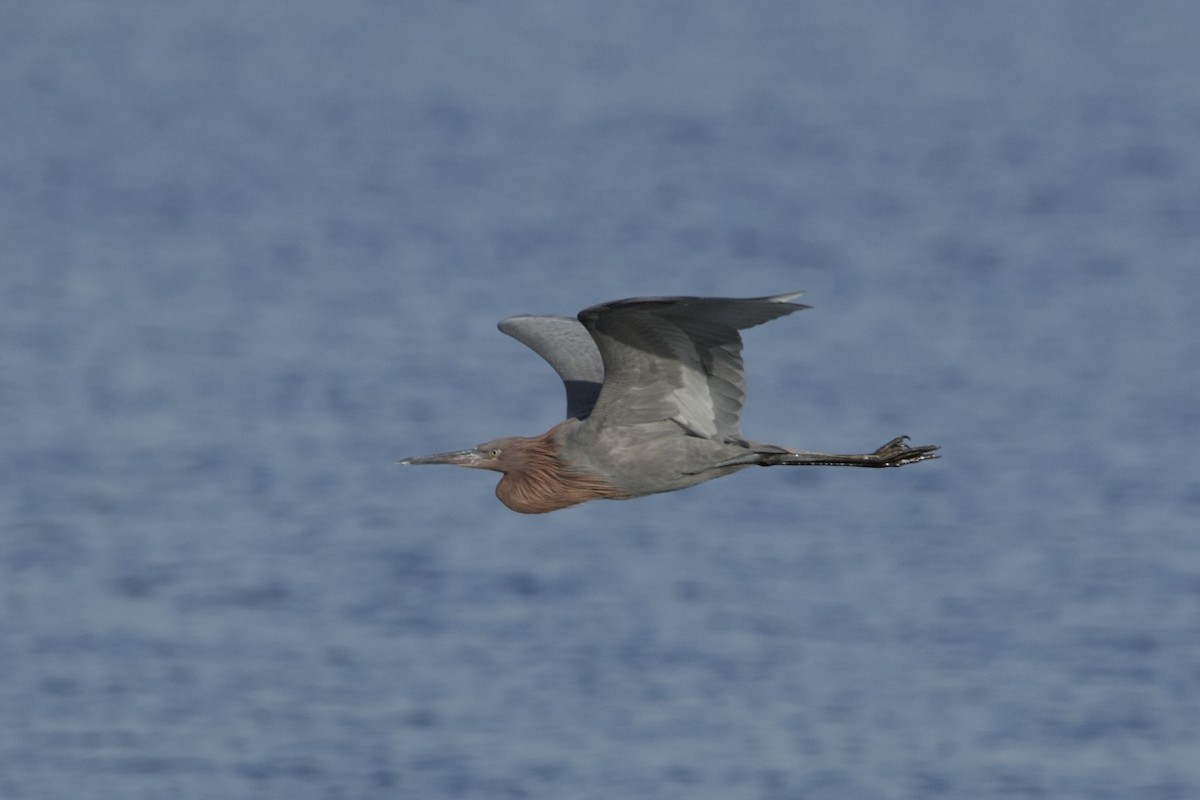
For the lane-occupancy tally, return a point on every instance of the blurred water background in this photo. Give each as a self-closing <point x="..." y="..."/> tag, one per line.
<point x="253" y="252"/>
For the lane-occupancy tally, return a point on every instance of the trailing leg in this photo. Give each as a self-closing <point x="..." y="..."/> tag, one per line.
<point x="895" y="453"/>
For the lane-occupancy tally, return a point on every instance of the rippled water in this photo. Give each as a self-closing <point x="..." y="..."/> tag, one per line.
<point x="254" y="252"/>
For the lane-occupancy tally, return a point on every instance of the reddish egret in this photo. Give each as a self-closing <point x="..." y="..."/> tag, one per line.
<point x="654" y="396"/>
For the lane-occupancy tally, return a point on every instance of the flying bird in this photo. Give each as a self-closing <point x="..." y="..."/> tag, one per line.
<point x="655" y="389"/>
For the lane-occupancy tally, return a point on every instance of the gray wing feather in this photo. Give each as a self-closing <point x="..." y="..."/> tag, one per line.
<point x="677" y="358"/>
<point x="568" y="347"/>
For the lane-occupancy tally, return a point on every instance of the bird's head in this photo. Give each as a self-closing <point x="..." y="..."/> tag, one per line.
<point x="500" y="455"/>
<point x="535" y="479"/>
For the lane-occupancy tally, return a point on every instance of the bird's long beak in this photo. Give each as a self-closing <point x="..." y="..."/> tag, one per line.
<point x="461" y="458"/>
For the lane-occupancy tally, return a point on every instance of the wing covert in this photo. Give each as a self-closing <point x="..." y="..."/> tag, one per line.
<point x="567" y="346"/>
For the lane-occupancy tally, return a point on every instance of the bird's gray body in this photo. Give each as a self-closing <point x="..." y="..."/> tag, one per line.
<point x="669" y="410"/>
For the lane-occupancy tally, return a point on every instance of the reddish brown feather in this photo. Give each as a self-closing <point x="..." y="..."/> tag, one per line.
<point x="537" y="481"/>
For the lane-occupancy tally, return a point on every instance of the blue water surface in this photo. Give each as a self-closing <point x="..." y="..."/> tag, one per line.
<point x="254" y="252"/>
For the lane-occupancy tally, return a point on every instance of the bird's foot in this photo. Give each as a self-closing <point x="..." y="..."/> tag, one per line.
<point x="897" y="453"/>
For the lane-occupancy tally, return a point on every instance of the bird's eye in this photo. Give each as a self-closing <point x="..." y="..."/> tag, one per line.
<point x="494" y="452"/>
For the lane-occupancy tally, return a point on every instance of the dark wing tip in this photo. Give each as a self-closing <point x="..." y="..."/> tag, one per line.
<point x="593" y="312"/>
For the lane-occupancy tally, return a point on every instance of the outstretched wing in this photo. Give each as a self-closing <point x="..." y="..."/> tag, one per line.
<point x="677" y="358"/>
<point x="569" y="348"/>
